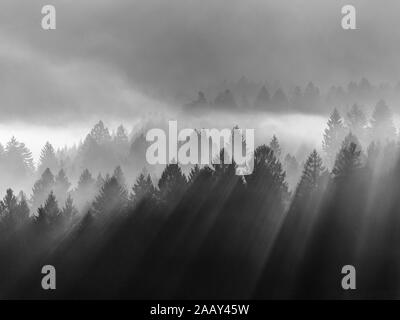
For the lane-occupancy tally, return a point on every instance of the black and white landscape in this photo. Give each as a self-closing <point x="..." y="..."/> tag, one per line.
<point x="79" y="194"/>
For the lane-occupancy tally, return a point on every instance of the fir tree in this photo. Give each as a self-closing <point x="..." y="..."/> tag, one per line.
<point x="348" y="161"/>
<point x="47" y="159"/>
<point x="41" y="188"/>
<point x="69" y="211"/>
<point x="275" y="147"/>
<point x="311" y="178"/>
<point x="333" y="137"/>
<point x="382" y="127"/>
<point x="262" y="99"/>
<point x="100" y="133"/>
<point x="121" y="138"/>
<point x="119" y="175"/>
<point x="112" y="198"/>
<point x="61" y="186"/>
<point x="171" y="184"/>
<point x="143" y="189"/>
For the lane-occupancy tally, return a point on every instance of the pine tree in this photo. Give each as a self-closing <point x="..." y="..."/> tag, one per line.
<point x="61" y="186"/>
<point x="49" y="214"/>
<point x="312" y="176"/>
<point x="347" y="161"/>
<point x="382" y="127"/>
<point x="85" y="191"/>
<point x="275" y="147"/>
<point x="69" y="211"/>
<point x="143" y="189"/>
<point x="112" y="198"/>
<point x="100" y="133"/>
<point x="41" y="189"/>
<point x="119" y="175"/>
<point x="357" y="121"/>
<point x="333" y="136"/>
<point x="99" y="181"/>
<point x="8" y="208"/>
<point x="172" y="184"/>
<point x="22" y="212"/>
<point x="262" y="99"/>
<point x="279" y="100"/>
<point x="47" y="159"/>
<point x="121" y="138"/>
<point x="194" y="173"/>
<point x="225" y="99"/>
<point x="18" y="159"/>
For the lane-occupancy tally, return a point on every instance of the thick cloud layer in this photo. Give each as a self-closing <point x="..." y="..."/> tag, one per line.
<point x="113" y="57"/>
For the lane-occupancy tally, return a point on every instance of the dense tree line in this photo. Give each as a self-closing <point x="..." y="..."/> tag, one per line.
<point x="283" y="231"/>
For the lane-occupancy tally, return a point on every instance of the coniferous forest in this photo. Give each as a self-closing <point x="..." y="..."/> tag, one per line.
<point x="125" y="229"/>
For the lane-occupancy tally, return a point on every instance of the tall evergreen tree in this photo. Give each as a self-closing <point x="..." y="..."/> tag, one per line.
<point x="172" y="184"/>
<point x="262" y="99"/>
<point x="143" y="189"/>
<point x="382" y="127"/>
<point x="312" y="176"/>
<point x="47" y="159"/>
<point x="86" y="190"/>
<point x="49" y="214"/>
<point x="18" y="159"/>
<point x="348" y="161"/>
<point x="42" y="188"/>
<point x="69" y="210"/>
<point x="275" y="147"/>
<point x="100" y="133"/>
<point x="121" y="137"/>
<point x="112" y="198"/>
<point x="333" y="137"/>
<point x="119" y="175"/>
<point x="61" y="186"/>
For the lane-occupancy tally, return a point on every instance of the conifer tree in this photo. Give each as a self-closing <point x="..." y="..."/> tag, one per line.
<point x="112" y="198"/>
<point x="143" y="189"/>
<point x="49" y="213"/>
<point x="171" y="184"/>
<point x="86" y="190"/>
<point x="23" y="211"/>
<point x="69" y="210"/>
<point x="61" y="186"/>
<point x="312" y="176"/>
<point x="18" y="159"/>
<point x="42" y="188"/>
<point x="47" y="159"/>
<point x="348" y="161"/>
<point x="275" y="147"/>
<point x="100" y="133"/>
<point x="333" y="137"/>
<point x="382" y="127"/>
<point x="262" y="99"/>
<point x="119" y="175"/>
<point x="121" y="138"/>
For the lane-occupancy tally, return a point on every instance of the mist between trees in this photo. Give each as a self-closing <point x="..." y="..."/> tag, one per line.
<point x="142" y="231"/>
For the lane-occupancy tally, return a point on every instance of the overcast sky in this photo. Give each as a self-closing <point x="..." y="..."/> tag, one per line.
<point x="109" y="58"/>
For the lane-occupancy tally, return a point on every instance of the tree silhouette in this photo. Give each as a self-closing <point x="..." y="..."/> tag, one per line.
<point x="112" y="198"/>
<point x="333" y="137"/>
<point x="69" y="211"/>
<point x="61" y="186"/>
<point x="262" y="99"/>
<point x="47" y="159"/>
<point x="42" y="188"/>
<point x="382" y="127"/>
<point x="275" y="147"/>
<point x="348" y="160"/>
<point x="143" y="189"/>
<point x="171" y="184"/>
